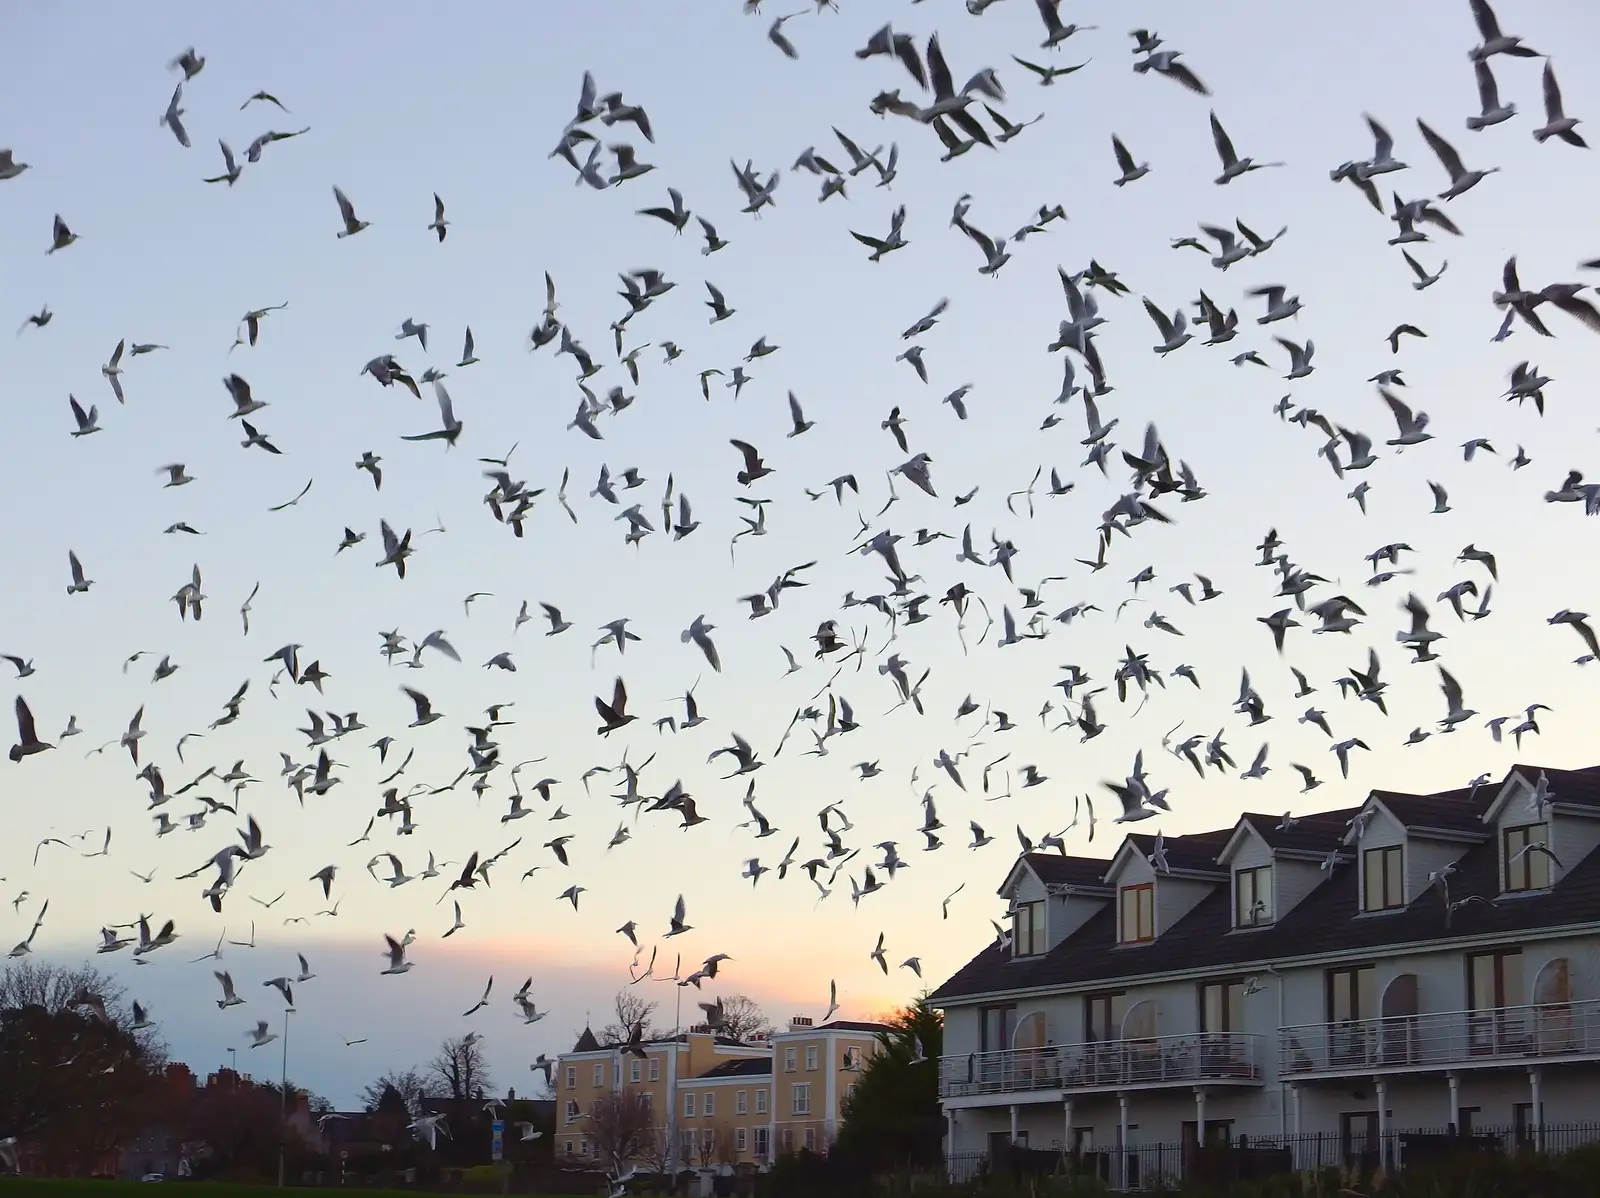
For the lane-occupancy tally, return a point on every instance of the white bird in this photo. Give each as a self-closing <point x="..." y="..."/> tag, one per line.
<point x="397" y="956"/>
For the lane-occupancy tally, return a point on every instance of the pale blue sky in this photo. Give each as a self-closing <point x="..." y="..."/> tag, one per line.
<point x="401" y="103"/>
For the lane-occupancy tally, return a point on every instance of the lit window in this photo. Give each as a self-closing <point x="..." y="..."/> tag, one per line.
<point x="1027" y="930"/>
<point x="1383" y="878"/>
<point x="1138" y="914"/>
<point x="1527" y="866"/>
<point x="1252" y="897"/>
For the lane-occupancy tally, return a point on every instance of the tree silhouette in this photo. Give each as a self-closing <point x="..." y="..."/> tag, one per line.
<point x="631" y="1009"/>
<point x="893" y="1117"/>
<point x="460" y="1069"/>
<point x="743" y="1018"/>
<point x="406" y="1085"/>
<point x="621" y="1126"/>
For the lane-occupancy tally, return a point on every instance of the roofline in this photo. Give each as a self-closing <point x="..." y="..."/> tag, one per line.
<point x="1409" y="948"/>
<point x="1020" y="863"/>
<point x="713" y="1081"/>
<point x="1240" y="827"/>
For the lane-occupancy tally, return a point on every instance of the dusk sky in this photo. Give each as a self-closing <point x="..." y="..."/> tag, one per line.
<point x="399" y="103"/>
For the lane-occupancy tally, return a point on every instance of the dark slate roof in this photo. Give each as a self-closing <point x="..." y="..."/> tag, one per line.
<point x="745" y="1067"/>
<point x="853" y="1025"/>
<point x="1580" y="788"/>
<point x="1325" y="921"/>
<point x="1054" y="869"/>
<point x="1196" y="851"/>
<point x="1453" y="810"/>
<point x="586" y="1042"/>
<point x="1315" y="833"/>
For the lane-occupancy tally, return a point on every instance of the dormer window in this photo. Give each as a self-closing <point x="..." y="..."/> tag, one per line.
<point x="1527" y="858"/>
<point x="1027" y="930"/>
<point x="1252" y="897"/>
<point x="1383" y="878"/>
<point x="1136" y="907"/>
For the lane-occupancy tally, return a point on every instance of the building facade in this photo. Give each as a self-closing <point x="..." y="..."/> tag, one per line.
<point x="1418" y="961"/>
<point x="719" y="1101"/>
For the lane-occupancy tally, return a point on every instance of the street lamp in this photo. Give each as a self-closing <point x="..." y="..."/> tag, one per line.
<point x="233" y="1061"/>
<point x="283" y="1089"/>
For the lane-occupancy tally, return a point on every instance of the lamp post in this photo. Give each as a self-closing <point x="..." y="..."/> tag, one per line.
<point x="283" y="1088"/>
<point x="233" y="1061"/>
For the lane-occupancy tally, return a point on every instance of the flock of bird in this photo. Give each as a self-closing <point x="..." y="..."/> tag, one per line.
<point x="907" y="537"/>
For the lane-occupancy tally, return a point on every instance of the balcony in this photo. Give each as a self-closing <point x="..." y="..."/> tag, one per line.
<point x="1525" y="1035"/>
<point x="1149" y="1062"/>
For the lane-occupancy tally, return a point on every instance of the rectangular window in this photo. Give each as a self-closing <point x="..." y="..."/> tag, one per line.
<point x="1252" y="897"/>
<point x="739" y="1141"/>
<point x="1352" y="994"/>
<point x="1027" y="929"/>
<point x="569" y="1148"/>
<point x="1222" y="1006"/>
<point x="800" y="1098"/>
<point x="633" y="1071"/>
<point x="761" y="1102"/>
<point x="688" y="1105"/>
<point x="686" y="1145"/>
<point x="850" y="1091"/>
<point x="763" y="1143"/>
<point x="708" y="1105"/>
<point x="787" y="1139"/>
<point x="599" y="1074"/>
<point x="811" y="1058"/>
<point x="571" y="1112"/>
<point x="1138" y="908"/>
<point x="583" y="1147"/>
<point x="1383" y="878"/>
<point x="708" y="1142"/>
<point x="1526" y="868"/>
<point x="741" y="1102"/>
<point x="649" y="1099"/>
<point x="788" y="1059"/>
<point x="852" y="1058"/>
<point x="572" y="1077"/>
<point x="655" y="1069"/>
<point x="1494" y="980"/>
<point x="811" y="1139"/>
<point x="1102" y="1017"/>
<point x="995" y="1025"/>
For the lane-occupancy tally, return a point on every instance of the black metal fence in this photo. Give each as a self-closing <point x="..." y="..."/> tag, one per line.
<point x="1152" y="1166"/>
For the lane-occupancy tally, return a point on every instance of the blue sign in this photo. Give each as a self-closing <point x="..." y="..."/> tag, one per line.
<point x="497" y="1145"/>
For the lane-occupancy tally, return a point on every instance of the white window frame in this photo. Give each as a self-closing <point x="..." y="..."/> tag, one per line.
<point x="800" y="1098"/>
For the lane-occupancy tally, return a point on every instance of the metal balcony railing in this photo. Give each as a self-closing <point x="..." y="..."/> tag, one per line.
<point x="1549" y="1031"/>
<point x="1108" y="1064"/>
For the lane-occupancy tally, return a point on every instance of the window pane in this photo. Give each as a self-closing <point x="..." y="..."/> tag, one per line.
<point x="1394" y="887"/>
<point x="1372" y="896"/>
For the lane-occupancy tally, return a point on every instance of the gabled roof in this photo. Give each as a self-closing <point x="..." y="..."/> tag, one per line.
<point x="1194" y="855"/>
<point x="1326" y="921"/>
<point x="1054" y="869"/>
<point x="1311" y="836"/>
<point x="1568" y="788"/>
<point x="1455" y="813"/>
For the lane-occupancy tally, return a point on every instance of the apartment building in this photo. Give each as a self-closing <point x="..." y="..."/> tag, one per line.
<point x="1418" y="961"/>
<point x="720" y="1101"/>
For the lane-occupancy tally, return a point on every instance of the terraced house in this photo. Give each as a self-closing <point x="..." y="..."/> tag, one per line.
<point x="1421" y="961"/>
<point x="721" y="1101"/>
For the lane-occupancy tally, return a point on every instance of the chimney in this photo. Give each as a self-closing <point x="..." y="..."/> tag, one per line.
<point x="799" y="1023"/>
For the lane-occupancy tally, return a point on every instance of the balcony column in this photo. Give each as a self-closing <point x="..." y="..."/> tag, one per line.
<point x="1294" y="1123"/>
<point x="1455" y="1100"/>
<point x="1122" y="1141"/>
<point x="950" y="1141"/>
<point x="1015" y="1111"/>
<point x="1381" y="1085"/>
<point x="1066" y="1125"/>
<point x="1200" y="1115"/>
<point x="1536" y="1085"/>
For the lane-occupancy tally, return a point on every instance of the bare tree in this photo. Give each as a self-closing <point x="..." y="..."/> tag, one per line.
<point x="460" y="1070"/>
<point x="743" y="1018"/>
<point x="408" y="1084"/>
<point x="622" y="1127"/>
<point x="723" y="1150"/>
<point x="30" y="982"/>
<point x="631" y="1010"/>
<point x="656" y="1152"/>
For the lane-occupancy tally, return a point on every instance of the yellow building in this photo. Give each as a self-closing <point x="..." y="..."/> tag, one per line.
<point x="814" y="1069"/>
<point x="719" y="1101"/>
